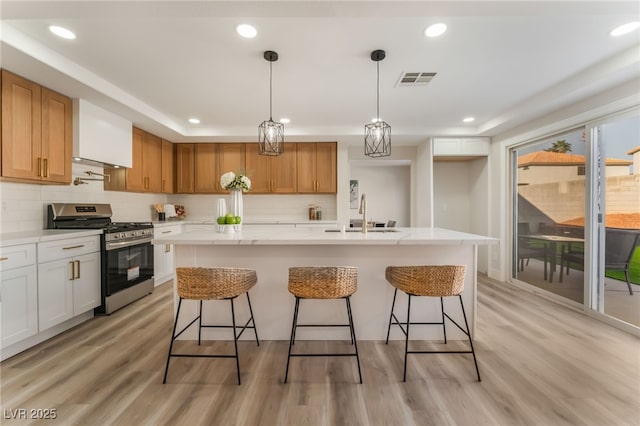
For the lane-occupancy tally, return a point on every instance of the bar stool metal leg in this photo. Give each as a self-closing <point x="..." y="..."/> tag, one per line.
<point x="393" y="304"/>
<point x="444" y="324"/>
<point x="406" y="342"/>
<point x="173" y="337"/>
<point x="354" y="341"/>
<point x="473" y="352"/>
<point x="255" y="329"/>
<point x="235" y="339"/>
<point x="200" y="323"/>
<point x="293" y="336"/>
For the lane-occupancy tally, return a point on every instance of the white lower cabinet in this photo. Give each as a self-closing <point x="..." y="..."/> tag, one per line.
<point x="18" y="293"/>
<point x="69" y="282"/>
<point x="163" y="263"/>
<point x="67" y="287"/>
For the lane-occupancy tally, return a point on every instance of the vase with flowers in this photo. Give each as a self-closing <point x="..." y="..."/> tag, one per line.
<point x="236" y="184"/>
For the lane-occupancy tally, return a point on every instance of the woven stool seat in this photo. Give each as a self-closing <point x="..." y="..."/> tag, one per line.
<point x="218" y="283"/>
<point x="214" y="283"/>
<point x="432" y="280"/>
<point x="323" y="282"/>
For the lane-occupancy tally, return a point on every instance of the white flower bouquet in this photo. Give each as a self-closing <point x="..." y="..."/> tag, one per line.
<point x="231" y="181"/>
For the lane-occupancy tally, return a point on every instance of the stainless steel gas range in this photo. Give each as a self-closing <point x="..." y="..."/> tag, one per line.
<point x="126" y="251"/>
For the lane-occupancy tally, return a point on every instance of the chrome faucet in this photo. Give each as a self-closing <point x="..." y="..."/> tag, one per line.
<point x="363" y="212"/>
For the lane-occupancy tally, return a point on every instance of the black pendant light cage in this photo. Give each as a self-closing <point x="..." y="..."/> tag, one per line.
<point x="377" y="136"/>
<point x="270" y="133"/>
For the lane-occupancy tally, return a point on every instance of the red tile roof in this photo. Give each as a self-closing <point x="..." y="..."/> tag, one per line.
<point x="547" y="158"/>
<point x="613" y="220"/>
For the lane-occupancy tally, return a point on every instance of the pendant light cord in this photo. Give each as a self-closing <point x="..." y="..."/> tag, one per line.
<point x="378" y="92"/>
<point x="270" y="90"/>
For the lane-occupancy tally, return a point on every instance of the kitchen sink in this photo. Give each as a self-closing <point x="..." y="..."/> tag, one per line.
<point x="360" y="230"/>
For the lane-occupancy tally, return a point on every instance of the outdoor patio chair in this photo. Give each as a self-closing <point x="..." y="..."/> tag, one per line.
<point x="527" y="251"/>
<point x="619" y="247"/>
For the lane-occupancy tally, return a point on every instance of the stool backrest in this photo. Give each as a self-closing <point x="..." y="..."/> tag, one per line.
<point x="428" y="280"/>
<point x="214" y="283"/>
<point x="323" y="282"/>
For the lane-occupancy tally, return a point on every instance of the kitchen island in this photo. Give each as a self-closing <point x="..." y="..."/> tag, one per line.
<point x="272" y="251"/>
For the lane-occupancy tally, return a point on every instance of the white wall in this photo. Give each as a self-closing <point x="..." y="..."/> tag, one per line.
<point x="451" y="200"/>
<point x="419" y="183"/>
<point x="461" y="199"/>
<point x="388" y="190"/>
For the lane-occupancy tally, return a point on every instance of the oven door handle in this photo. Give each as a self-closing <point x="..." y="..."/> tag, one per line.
<point x="120" y="244"/>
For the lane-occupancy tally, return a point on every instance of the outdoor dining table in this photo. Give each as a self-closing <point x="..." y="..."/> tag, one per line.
<point x="552" y="242"/>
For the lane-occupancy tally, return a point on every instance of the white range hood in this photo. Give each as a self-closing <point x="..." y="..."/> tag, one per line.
<point x="101" y="136"/>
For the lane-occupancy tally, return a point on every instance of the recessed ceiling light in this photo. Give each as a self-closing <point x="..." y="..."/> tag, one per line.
<point x="435" y="30"/>
<point x="468" y="119"/>
<point x="194" y="121"/>
<point x="625" y="29"/>
<point x="246" y="31"/>
<point x="285" y="120"/>
<point x="116" y="167"/>
<point x="62" y="32"/>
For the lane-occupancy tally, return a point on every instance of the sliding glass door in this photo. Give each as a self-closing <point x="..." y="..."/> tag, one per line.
<point x="549" y="205"/>
<point x="617" y="287"/>
<point x="576" y="221"/>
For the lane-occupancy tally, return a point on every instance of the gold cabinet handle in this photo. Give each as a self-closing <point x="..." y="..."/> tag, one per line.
<point x="39" y="167"/>
<point x="78" y="277"/>
<point x="73" y="247"/>
<point x="167" y="248"/>
<point x="73" y="270"/>
<point x="166" y="232"/>
<point x="4" y="258"/>
<point x="163" y="186"/>
<point x="46" y="167"/>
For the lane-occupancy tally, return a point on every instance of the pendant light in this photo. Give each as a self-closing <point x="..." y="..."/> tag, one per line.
<point x="270" y="133"/>
<point x="377" y="135"/>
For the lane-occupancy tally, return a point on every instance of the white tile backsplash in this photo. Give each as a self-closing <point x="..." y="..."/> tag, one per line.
<point x="24" y="206"/>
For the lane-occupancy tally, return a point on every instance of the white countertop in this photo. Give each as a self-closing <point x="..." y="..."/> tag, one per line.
<point x="266" y="235"/>
<point x="39" y="236"/>
<point x="259" y="222"/>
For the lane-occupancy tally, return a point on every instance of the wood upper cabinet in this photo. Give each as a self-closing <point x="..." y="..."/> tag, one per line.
<point x="317" y="167"/>
<point x="134" y="180"/>
<point x="272" y="174"/>
<point x="185" y="174"/>
<point x="231" y="158"/>
<point x="152" y="162"/>
<point x="36" y="132"/>
<point x="206" y="170"/>
<point x="167" y="168"/>
<point x="145" y="173"/>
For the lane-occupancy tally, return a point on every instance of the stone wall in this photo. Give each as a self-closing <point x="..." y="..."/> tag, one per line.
<point x="564" y="201"/>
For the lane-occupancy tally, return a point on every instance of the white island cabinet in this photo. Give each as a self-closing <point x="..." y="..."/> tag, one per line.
<point x="272" y="251"/>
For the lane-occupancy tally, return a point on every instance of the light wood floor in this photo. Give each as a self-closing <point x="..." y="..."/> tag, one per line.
<point x="541" y="364"/>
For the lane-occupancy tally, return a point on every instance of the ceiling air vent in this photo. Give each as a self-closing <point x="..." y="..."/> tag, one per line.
<point x="409" y="79"/>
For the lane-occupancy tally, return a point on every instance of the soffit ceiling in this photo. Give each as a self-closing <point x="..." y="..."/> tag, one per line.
<point x="160" y="62"/>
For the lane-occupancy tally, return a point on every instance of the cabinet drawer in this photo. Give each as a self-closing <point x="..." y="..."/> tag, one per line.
<point x="60" y="249"/>
<point x="17" y="256"/>
<point x="167" y="230"/>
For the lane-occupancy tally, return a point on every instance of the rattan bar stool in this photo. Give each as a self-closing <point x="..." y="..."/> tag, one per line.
<point x="213" y="284"/>
<point x="434" y="281"/>
<point x="323" y="282"/>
